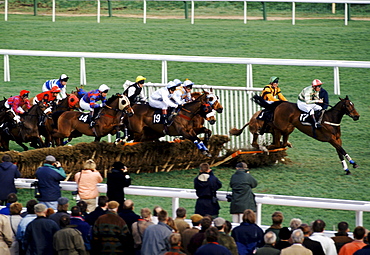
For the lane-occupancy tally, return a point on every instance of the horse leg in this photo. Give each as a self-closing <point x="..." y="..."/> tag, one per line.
<point x="343" y="154"/>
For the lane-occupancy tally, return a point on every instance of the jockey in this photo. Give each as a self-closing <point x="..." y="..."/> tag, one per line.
<point x="161" y="98"/>
<point x="271" y="91"/>
<point x="88" y="101"/>
<point x="135" y="92"/>
<point x="16" y="103"/>
<point x="184" y="92"/>
<point x="48" y="97"/>
<point x="308" y="99"/>
<point x="61" y="83"/>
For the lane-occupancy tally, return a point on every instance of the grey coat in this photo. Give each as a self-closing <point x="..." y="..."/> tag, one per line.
<point x="241" y="184"/>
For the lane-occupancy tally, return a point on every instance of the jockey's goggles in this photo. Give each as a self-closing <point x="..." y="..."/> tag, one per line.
<point x="189" y="87"/>
<point x="141" y="82"/>
<point x="317" y="86"/>
<point x="276" y="81"/>
<point x="105" y="91"/>
<point x="25" y="95"/>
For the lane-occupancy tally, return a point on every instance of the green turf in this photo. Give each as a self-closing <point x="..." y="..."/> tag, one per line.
<point x="313" y="169"/>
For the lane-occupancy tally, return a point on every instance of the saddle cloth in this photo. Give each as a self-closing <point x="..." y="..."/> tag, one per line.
<point x="307" y="120"/>
<point x="157" y="116"/>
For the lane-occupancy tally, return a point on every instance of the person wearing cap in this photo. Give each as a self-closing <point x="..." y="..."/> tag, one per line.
<point x="38" y="238"/>
<point x="87" y="181"/>
<point x="223" y="238"/>
<point x="241" y="184"/>
<point x="135" y="92"/>
<point x="206" y="185"/>
<point x="8" y="172"/>
<point x="16" y="104"/>
<point x="117" y="179"/>
<point x="89" y="101"/>
<point x="62" y="210"/>
<point x="49" y="176"/>
<point x="48" y="98"/>
<point x="308" y="100"/>
<point x="183" y="93"/>
<point x="161" y="99"/>
<point x="190" y="232"/>
<point x="110" y="232"/>
<point x="272" y="92"/>
<point x="61" y="83"/>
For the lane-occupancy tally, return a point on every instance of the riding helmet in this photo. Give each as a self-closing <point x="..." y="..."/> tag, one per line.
<point x="316" y="82"/>
<point x="177" y="82"/>
<point x="274" y="79"/>
<point x="64" y="77"/>
<point x="188" y="83"/>
<point x="104" y="88"/>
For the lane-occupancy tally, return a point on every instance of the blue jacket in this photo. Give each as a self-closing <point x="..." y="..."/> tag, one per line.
<point x="212" y="249"/>
<point x="206" y="186"/>
<point x="94" y="96"/>
<point x="248" y="237"/>
<point x="8" y="171"/>
<point x="49" y="180"/>
<point x="85" y="229"/>
<point x="55" y="82"/>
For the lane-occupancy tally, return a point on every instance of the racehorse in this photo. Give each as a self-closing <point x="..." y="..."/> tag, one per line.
<point x="26" y="131"/>
<point x="73" y="124"/>
<point x="287" y="117"/>
<point x="146" y="124"/>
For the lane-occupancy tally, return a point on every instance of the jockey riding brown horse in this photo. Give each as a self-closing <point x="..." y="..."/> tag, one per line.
<point x="74" y="124"/>
<point x="287" y="117"/>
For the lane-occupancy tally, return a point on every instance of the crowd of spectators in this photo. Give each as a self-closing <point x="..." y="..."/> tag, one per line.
<point x="110" y="227"/>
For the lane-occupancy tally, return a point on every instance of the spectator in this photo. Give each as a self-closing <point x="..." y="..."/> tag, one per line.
<point x="99" y="210"/>
<point x="296" y="248"/>
<point x="314" y="246"/>
<point x="175" y="241"/>
<point x="190" y="232"/>
<point x="212" y="247"/>
<point x="206" y="185"/>
<point x="49" y="176"/>
<point x="156" y="210"/>
<point x="138" y="228"/>
<point x="6" y="236"/>
<point x="79" y="223"/>
<point x="110" y="232"/>
<point x="49" y="211"/>
<point x="294" y="224"/>
<point x="128" y="214"/>
<point x="68" y="240"/>
<point x="83" y="207"/>
<point x="350" y="248"/>
<point x="38" y="238"/>
<point x="11" y="198"/>
<point x="14" y="220"/>
<point x="341" y="237"/>
<point x="268" y="248"/>
<point x="248" y="236"/>
<point x="277" y="219"/>
<point x="156" y="236"/>
<point x="197" y="240"/>
<point x="180" y="222"/>
<point x="242" y="183"/>
<point x="284" y="236"/>
<point x="227" y="228"/>
<point x="87" y="180"/>
<point x="62" y="210"/>
<point x="30" y="216"/>
<point x="365" y="250"/>
<point x="117" y="179"/>
<point x="327" y="243"/>
<point x="171" y="223"/>
<point x="223" y="238"/>
<point x="8" y="172"/>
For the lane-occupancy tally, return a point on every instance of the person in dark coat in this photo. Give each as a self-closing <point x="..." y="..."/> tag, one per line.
<point x="79" y="223"/>
<point x="341" y="237"/>
<point x="117" y="179"/>
<point x="310" y="244"/>
<point x="8" y="171"/>
<point x="128" y="214"/>
<point x="212" y="247"/>
<point x="99" y="210"/>
<point x="242" y="184"/>
<point x="268" y="248"/>
<point x="284" y="236"/>
<point x="206" y="185"/>
<point x="248" y="235"/>
<point x="323" y="94"/>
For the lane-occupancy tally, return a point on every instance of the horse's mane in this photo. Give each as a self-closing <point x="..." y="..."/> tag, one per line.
<point x="336" y="106"/>
<point x="112" y="98"/>
<point x="262" y="102"/>
<point x="195" y="101"/>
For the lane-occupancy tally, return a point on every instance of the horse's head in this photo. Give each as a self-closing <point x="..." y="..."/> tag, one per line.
<point x="73" y="101"/>
<point x="349" y="108"/>
<point x="211" y="98"/>
<point x="121" y="103"/>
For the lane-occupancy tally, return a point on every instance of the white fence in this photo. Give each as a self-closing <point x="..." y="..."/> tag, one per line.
<point x="345" y="2"/>
<point x="262" y="199"/>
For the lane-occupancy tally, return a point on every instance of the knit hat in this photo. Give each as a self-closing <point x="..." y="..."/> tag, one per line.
<point x="196" y="217"/>
<point x="113" y="205"/>
<point x="50" y="158"/>
<point x="40" y="208"/>
<point x="218" y="222"/>
<point x="62" y="201"/>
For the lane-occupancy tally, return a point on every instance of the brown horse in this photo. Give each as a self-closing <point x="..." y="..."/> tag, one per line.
<point x="26" y="131"/>
<point x="143" y="128"/>
<point x="74" y="124"/>
<point x="286" y="118"/>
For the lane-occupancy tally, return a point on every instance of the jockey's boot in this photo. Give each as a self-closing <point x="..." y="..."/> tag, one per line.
<point x="263" y="129"/>
<point x="92" y="119"/>
<point x="315" y="123"/>
<point x="165" y="117"/>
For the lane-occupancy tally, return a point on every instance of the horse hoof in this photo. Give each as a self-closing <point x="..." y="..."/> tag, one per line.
<point x="355" y="165"/>
<point x="348" y="172"/>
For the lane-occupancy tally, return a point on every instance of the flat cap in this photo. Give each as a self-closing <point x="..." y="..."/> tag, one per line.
<point x="196" y="217"/>
<point x="219" y="221"/>
<point x="63" y="201"/>
<point x="50" y="158"/>
<point x="40" y="208"/>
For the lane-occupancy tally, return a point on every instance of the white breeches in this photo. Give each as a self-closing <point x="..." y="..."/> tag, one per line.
<point x="84" y="105"/>
<point x="309" y="108"/>
<point x="157" y="104"/>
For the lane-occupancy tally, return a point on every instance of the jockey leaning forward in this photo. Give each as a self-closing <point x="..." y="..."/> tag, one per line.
<point x="184" y="92"/>
<point x="270" y="93"/>
<point x="89" y="101"/>
<point x="61" y="83"/>
<point x="16" y="104"/>
<point x="308" y="99"/>
<point x="135" y="92"/>
<point x="163" y="99"/>
<point x="49" y="99"/>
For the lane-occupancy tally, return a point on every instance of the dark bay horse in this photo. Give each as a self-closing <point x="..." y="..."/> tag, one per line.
<point x="74" y="124"/>
<point x="141" y="124"/>
<point x="26" y="131"/>
<point x="286" y="118"/>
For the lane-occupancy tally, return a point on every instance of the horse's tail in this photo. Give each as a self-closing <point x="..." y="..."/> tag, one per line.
<point x="263" y="103"/>
<point x="235" y="131"/>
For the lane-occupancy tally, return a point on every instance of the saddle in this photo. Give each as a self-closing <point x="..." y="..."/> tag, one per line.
<point x="266" y="115"/>
<point x="307" y="120"/>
